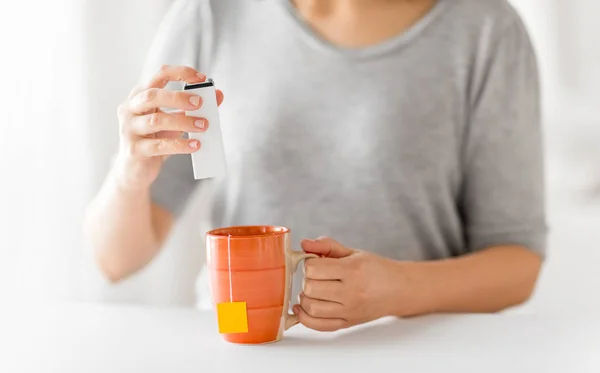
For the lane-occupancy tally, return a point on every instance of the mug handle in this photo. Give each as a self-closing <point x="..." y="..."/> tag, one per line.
<point x="297" y="256"/>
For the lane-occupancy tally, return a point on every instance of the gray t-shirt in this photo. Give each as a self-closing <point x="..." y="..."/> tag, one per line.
<point x="425" y="146"/>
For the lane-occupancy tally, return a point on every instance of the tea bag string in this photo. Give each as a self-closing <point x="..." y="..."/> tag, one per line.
<point x="229" y="265"/>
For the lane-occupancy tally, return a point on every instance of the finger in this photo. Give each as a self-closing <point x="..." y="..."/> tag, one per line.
<point x="159" y="147"/>
<point x="320" y="308"/>
<point x="159" y="121"/>
<point x="220" y="97"/>
<point x="168" y="73"/>
<point x="326" y="247"/>
<point x="324" y="269"/>
<point x="320" y="324"/>
<point x="174" y="112"/>
<point x="155" y="98"/>
<point x="170" y="135"/>
<point x="325" y="290"/>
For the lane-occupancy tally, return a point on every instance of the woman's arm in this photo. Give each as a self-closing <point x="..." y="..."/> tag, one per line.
<point x="124" y="228"/>
<point x="124" y="224"/>
<point x="489" y="280"/>
<point x="347" y="287"/>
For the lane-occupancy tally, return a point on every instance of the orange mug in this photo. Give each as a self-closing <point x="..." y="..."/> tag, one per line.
<point x="260" y="263"/>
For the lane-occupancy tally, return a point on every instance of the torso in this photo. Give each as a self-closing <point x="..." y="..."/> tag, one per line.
<point x="364" y="145"/>
<point x="361" y="146"/>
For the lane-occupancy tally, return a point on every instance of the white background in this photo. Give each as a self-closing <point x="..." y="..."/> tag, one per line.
<point x="65" y="66"/>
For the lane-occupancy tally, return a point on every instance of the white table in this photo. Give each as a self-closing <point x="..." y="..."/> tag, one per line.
<point x="92" y="338"/>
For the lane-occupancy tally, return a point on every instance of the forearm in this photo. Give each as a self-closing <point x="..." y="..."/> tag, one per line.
<point x="121" y="228"/>
<point x="487" y="281"/>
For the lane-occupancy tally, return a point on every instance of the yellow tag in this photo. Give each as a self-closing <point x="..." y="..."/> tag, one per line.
<point x="232" y="317"/>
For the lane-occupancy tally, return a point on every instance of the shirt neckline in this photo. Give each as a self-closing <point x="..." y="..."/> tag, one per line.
<point x="392" y="44"/>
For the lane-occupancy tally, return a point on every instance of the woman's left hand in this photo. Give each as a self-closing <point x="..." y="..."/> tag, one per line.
<point x="346" y="287"/>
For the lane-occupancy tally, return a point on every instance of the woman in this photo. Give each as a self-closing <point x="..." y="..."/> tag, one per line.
<point x="407" y="131"/>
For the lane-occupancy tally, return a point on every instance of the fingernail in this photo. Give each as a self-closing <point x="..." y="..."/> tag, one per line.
<point x="295" y="309"/>
<point x="201" y="76"/>
<point x="194" y="144"/>
<point x="195" y="100"/>
<point x="200" y="123"/>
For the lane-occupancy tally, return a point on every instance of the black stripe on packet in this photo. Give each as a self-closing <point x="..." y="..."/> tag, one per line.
<point x="208" y="83"/>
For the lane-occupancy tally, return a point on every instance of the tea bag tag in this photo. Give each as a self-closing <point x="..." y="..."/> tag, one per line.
<point x="232" y="316"/>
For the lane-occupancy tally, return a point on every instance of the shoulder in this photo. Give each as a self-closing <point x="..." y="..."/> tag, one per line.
<point x="488" y="21"/>
<point x="204" y="10"/>
<point x="185" y="28"/>
<point x="489" y="28"/>
<point x="480" y="13"/>
<point x="222" y="10"/>
<point x="184" y="9"/>
<point x="496" y="44"/>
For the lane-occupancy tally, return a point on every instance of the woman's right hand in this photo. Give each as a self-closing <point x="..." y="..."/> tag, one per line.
<point x="148" y="135"/>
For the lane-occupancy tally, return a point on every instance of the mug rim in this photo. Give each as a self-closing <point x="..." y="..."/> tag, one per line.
<point x="276" y="231"/>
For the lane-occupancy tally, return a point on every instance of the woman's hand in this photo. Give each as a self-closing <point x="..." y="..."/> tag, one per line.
<point x="148" y="135"/>
<point x="347" y="287"/>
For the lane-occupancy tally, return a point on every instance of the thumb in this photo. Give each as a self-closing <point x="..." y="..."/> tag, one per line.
<point x="326" y="247"/>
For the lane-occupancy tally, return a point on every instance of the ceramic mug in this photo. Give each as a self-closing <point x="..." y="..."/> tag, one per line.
<point x="262" y="264"/>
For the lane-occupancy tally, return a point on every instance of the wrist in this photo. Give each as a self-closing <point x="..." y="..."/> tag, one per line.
<point x="413" y="292"/>
<point x="123" y="175"/>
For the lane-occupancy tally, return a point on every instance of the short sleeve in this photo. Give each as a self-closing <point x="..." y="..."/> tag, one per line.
<point x="177" y="42"/>
<point x="503" y="199"/>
